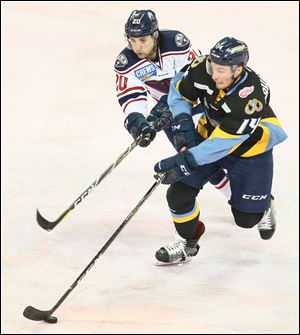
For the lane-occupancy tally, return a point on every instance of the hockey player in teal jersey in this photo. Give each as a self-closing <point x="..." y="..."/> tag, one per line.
<point x="237" y="132"/>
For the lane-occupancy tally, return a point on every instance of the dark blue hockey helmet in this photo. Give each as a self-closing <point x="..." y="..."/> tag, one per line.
<point x="230" y="51"/>
<point x="141" y="23"/>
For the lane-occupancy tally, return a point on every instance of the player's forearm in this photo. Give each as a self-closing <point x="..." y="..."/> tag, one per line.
<point x="216" y="147"/>
<point x="176" y="102"/>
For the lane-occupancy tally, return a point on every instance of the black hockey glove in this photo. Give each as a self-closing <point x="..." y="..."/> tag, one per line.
<point x="176" y="167"/>
<point x="160" y="116"/>
<point x="136" y="124"/>
<point x="184" y="132"/>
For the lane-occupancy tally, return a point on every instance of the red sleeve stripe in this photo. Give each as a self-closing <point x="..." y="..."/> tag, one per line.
<point x="175" y="53"/>
<point x="134" y="100"/>
<point x="138" y="88"/>
<point x="222" y="183"/>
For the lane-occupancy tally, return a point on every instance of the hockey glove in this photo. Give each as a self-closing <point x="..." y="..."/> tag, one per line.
<point x="136" y="124"/>
<point x="176" y="167"/>
<point x="160" y="116"/>
<point x="184" y="132"/>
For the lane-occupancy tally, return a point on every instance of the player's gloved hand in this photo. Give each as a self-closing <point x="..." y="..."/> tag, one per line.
<point x="176" y="166"/>
<point x="137" y="124"/>
<point x="184" y="132"/>
<point x="160" y="116"/>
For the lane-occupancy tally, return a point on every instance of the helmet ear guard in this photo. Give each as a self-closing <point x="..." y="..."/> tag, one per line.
<point x="155" y="34"/>
<point x="234" y="69"/>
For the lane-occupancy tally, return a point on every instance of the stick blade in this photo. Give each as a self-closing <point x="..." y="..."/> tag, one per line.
<point x="43" y="223"/>
<point x="35" y="314"/>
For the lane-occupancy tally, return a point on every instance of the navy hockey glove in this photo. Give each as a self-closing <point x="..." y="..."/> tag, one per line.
<point x="176" y="167"/>
<point x="136" y="124"/>
<point x="160" y="115"/>
<point x="184" y="132"/>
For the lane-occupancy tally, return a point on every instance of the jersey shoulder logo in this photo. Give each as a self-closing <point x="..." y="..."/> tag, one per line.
<point x="244" y="92"/>
<point x="121" y="61"/>
<point x="181" y="40"/>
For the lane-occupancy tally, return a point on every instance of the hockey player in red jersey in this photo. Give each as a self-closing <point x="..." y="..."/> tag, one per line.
<point x="237" y="132"/>
<point x="145" y="68"/>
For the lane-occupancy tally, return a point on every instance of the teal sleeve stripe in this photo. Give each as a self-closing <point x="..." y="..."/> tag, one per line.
<point x="277" y="134"/>
<point x="214" y="149"/>
<point x="175" y="101"/>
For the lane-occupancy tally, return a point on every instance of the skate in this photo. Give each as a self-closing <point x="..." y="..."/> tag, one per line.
<point x="179" y="251"/>
<point x="267" y="225"/>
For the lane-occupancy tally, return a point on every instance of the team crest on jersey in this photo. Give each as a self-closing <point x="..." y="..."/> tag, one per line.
<point x="145" y="72"/>
<point x="181" y="40"/>
<point x="121" y="61"/>
<point x="243" y="93"/>
<point x="253" y="106"/>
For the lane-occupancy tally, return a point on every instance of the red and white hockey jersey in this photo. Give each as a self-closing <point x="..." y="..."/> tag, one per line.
<point x="135" y="78"/>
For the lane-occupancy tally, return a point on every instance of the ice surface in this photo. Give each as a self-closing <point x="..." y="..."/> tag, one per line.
<point x="62" y="126"/>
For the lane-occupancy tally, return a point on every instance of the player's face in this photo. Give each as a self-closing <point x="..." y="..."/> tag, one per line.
<point x="222" y="75"/>
<point x="143" y="47"/>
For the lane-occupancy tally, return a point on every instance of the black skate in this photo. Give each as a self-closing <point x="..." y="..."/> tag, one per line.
<point x="179" y="251"/>
<point x="267" y="225"/>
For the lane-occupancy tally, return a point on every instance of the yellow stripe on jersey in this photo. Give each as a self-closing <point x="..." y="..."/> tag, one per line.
<point x="272" y="120"/>
<point x="218" y="132"/>
<point x="261" y="145"/>
<point x="235" y="147"/>
<point x="200" y="127"/>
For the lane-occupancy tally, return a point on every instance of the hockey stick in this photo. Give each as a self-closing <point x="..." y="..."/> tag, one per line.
<point x="35" y="314"/>
<point x="49" y="225"/>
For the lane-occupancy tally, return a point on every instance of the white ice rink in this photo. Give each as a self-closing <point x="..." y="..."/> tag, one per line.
<point x="62" y="126"/>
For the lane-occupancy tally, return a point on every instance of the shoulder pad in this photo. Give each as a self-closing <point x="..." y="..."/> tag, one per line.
<point x="125" y="59"/>
<point x="198" y="61"/>
<point x="173" y="40"/>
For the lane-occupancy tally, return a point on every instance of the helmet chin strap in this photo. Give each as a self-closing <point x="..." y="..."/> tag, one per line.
<point x="234" y="78"/>
<point x="233" y="69"/>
